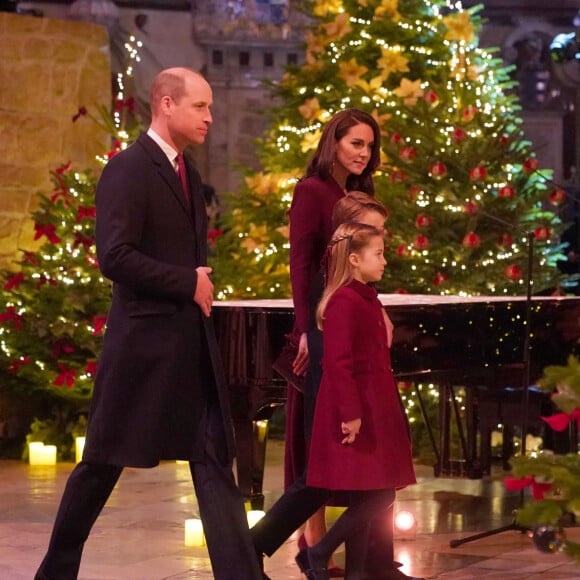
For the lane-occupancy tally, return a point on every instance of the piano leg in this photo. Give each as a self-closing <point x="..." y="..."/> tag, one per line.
<point x="261" y="429"/>
<point x="427" y="423"/>
<point x="443" y="467"/>
<point x="467" y="465"/>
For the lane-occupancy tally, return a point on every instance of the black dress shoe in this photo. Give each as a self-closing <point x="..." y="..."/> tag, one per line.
<point x="312" y="569"/>
<point x="260" y="558"/>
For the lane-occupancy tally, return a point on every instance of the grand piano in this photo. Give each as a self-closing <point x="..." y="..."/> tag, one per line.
<point x="475" y="343"/>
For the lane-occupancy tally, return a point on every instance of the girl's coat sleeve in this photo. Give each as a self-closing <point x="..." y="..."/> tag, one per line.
<point x="339" y="332"/>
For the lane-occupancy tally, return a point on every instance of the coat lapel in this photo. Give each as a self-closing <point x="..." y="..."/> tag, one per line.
<point x="166" y="170"/>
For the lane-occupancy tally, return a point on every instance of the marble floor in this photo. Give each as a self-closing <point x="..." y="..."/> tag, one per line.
<point x="140" y="533"/>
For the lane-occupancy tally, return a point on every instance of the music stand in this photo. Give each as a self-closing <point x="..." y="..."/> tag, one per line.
<point x="525" y="394"/>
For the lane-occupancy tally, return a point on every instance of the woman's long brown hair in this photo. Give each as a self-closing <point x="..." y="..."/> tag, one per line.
<point x="324" y="157"/>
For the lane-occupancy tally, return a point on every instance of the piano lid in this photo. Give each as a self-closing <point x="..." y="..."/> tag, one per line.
<point x="399" y="300"/>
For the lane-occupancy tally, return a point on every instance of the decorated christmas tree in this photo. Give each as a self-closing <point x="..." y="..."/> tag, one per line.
<point x="53" y="307"/>
<point x="462" y="184"/>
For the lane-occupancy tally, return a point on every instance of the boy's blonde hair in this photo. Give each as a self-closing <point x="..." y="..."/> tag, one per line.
<point x="349" y="238"/>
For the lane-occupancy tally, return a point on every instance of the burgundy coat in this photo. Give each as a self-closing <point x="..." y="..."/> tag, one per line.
<point x="358" y="381"/>
<point x="310" y="232"/>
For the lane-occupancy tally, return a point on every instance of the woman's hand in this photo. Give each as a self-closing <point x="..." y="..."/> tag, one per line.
<point x="351" y="429"/>
<point x="300" y="363"/>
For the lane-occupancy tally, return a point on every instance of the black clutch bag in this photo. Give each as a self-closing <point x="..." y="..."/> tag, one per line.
<point x="283" y="364"/>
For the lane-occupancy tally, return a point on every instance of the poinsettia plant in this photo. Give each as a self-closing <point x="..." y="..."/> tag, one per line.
<point x="554" y="479"/>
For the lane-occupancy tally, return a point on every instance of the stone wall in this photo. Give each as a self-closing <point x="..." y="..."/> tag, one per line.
<point x="48" y="69"/>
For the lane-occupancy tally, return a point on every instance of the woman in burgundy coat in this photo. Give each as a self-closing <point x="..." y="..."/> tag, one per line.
<point x="346" y="158"/>
<point x="360" y="438"/>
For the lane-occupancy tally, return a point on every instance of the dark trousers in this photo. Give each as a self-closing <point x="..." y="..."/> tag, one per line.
<point x="293" y="508"/>
<point x="371" y="549"/>
<point x="220" y="504"/>
<point x="370" y="552"/>
<point x="355" y="527"/>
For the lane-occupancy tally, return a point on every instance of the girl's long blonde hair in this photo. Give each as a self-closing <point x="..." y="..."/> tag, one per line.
<point x="349" y="238"/>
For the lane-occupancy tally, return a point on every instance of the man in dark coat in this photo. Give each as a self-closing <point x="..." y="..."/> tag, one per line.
<point x="159" y="391"/>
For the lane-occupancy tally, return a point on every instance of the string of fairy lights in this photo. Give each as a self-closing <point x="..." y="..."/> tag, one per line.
<point x="69" y="263"/>
<point x="466" y="58"/>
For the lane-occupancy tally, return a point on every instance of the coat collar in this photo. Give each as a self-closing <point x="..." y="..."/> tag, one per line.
<point x="364" y="290"/>
<point x="165" y="168"/>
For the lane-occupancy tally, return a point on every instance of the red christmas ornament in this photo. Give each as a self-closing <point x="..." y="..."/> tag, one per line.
<point x="421" y="243"/>
<point x="403" y="251"/>
<point x="469" y="113"/>
<point x="407" y="154"/>
<point x="438" y="170"/>
<point x="404" y="385"/>
<point x="400" y="291"/>
<point x="396" y="138"/>
<point x="459" y="135"/>
<point x="478" y="173"/>
<point x="471" y="240"/>
<point x="470" y="208"/>
<point x="507" y="191"/>
<point x="431" y="97"/>
<point x="503" y="140"/>
<point x="397" y="176"/>
<point x="414" y="192"/>
<point x="423" y="221"/>
<point x="530" y="165"/>
<point x="557" y="196"/>
<point x="513" y="272"/>
<point x="542" y="233"/>
<point x="439" y="279"/>
<point x="505" y="240"/>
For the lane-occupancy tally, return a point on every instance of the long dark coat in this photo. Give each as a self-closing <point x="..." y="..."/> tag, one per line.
<point x="160" y="360"/>
<point x="357" y="382"/>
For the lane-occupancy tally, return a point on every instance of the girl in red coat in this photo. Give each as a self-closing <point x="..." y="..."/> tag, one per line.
<point x="346" y="158"/>
<point x="360" y="439"/>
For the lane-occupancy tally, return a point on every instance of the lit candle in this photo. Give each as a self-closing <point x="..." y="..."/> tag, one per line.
<point x="194" y="533"/>
<point x="41" y="454"/>
<point x="35" y="452"/>
<point x="254" y="516"/>
<point x="79" y="447"/>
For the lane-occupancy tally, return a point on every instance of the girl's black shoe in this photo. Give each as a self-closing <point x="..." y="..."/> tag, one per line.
<point x="312" y="569"/>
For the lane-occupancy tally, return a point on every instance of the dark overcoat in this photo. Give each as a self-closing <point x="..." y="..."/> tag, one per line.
<point x="358" y="382"/>
<point x="160" y="361"/>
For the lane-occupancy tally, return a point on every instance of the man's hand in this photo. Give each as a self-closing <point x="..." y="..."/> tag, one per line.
<point x="204" y="290"/>
<point x="300" y="363"/>
<point x="351" y="429"/>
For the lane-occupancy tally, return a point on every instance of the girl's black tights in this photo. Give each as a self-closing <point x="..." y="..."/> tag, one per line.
<point x="363" y="507"/>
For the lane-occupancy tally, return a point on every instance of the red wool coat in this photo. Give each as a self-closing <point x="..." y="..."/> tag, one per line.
<point x="358" y="381"/>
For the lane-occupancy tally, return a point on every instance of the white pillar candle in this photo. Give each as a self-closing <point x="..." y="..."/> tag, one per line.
<point x="194" y="533"/>
<point x="41" y="454"/>
<point x="254" y="516"/>
<point x="79" y="447"/>
<point x="35" y="452"/>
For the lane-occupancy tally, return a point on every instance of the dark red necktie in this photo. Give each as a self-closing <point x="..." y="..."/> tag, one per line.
<point x="182" y="173"/>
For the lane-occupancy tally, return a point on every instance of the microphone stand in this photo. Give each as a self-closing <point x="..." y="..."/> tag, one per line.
<point x="513" y="526"/>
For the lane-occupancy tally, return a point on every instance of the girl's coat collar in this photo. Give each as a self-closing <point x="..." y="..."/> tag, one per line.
<point x="364" y="290"/>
